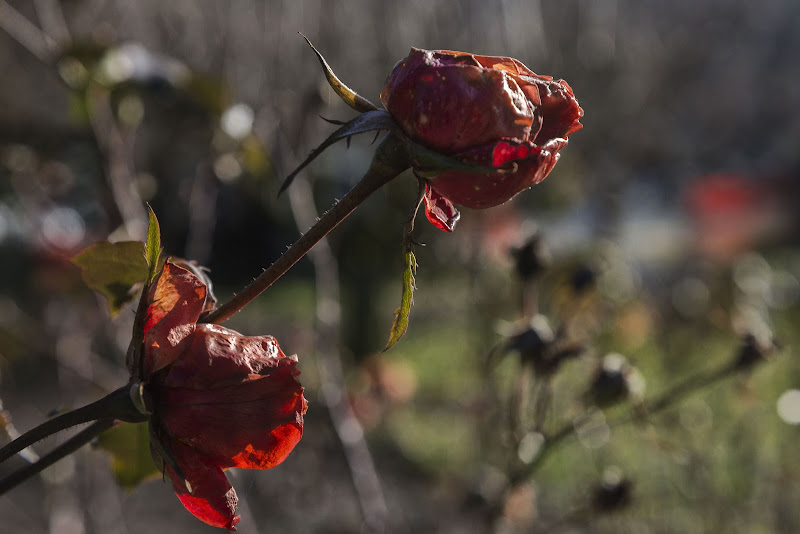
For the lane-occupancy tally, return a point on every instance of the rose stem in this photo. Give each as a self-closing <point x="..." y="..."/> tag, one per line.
<point x="66" y="448"/>
<point x="116" y="405"/>
<point x="389" y="161"/>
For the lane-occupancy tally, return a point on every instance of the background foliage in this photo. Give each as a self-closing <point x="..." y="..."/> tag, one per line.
<point x="679" y="195"/>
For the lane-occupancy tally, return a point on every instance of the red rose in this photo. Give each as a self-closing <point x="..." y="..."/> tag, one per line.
<point x="219" y="399"/>
<point x="484" y="110"/>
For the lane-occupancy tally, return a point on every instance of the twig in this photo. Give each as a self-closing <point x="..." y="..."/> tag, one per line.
<point x="663" y="401"/>
<point x="202" y="214"/>
<point x="660" y="403"/>
<point x="389" y="161"/>
<point x="543" y="395"/>
<point x="65" y="449"/>
<point x="348" y="429"/>
<point x="518" y="404"/>
<point x="677" y="392"/>
<point x="115" y="405"/>
<point x="52" y="19"/>
<point x="10" y="433"/>
<point x="23" y="31"/>
<point x="116" y="148"/>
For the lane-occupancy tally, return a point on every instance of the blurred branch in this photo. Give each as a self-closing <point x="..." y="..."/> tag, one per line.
<point x="348" y="429"/>
<point x="65" y="449"/>
<point x="520" y="398"/>
<point x="638" y="412"/>
<point x="115" y="405"/>
<point x="677" y="393"/>
<point x="111" y="141"/>
<point x="542" y="397"/>
<point x="25" y="32"/>
<point x="116" y="145"/>
<point x="11" y="433"/>
<point x="53" y="23"/>
<point x="202" y="213"/>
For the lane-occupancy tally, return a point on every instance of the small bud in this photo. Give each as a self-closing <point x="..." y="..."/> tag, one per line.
<point x="534" y="338"/>
<point x="615" y="380"/>
<point x="538" y="345"/>
<point x="614" y="492"/>
<point x="755" y="350"/>
<point x="532" y="258"/>
<point x="583" y="279"/>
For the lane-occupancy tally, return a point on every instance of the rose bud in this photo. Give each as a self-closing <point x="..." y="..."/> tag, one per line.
<point x="218" y="399"/>
<point x="532" y="258"/>
<point x="614" y="493"/>
<point x="486" y="112"/>
<point x="615" y="380"/>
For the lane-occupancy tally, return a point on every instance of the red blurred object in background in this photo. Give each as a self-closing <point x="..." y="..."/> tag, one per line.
<point x="733" y="213"/>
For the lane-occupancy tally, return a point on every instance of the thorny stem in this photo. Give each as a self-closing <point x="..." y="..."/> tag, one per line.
<point x="116" y="405"/>
<point x="389" y="161"/>
<point x="65" y="449"/>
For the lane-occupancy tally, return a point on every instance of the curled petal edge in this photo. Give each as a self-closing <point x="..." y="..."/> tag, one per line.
<point x="205" y="492"/>
<point x="440" y="211"/>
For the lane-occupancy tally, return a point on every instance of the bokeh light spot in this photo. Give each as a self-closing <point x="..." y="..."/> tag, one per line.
<point x="789" y="406"/>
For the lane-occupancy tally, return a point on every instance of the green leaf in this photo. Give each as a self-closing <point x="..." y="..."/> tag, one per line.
<point x="350" y="97"/>
<point x="113" y="270"/>
<point x="152" y="249"/>
<point x="400" y="324"/>
<point x="129" y="445"/>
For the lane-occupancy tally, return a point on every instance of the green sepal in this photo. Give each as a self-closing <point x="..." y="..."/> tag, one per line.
<point x="368" y="121"/>
<point x="350" y="97"/>
<point x="429" y="163"/>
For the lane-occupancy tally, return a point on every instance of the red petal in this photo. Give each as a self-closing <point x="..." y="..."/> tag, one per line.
<point x="212" y="498"/>
<point x="252" y="421"/>
<point x="560" y="111"/>
<point x="176" y="301"/>
<point x="507" y="151"/>
<point x="219" y="356"/>
<point x="474" y="190"/>
<point x="451" y="103"/>
<point x="440" y="211"/>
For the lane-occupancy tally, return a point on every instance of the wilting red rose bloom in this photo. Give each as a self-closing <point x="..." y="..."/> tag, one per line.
<point x="219" y="399"/>
<point x="484" y="110"/>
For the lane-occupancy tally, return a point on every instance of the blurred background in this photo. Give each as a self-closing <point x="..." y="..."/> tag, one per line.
<point x="670" y="229"/>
